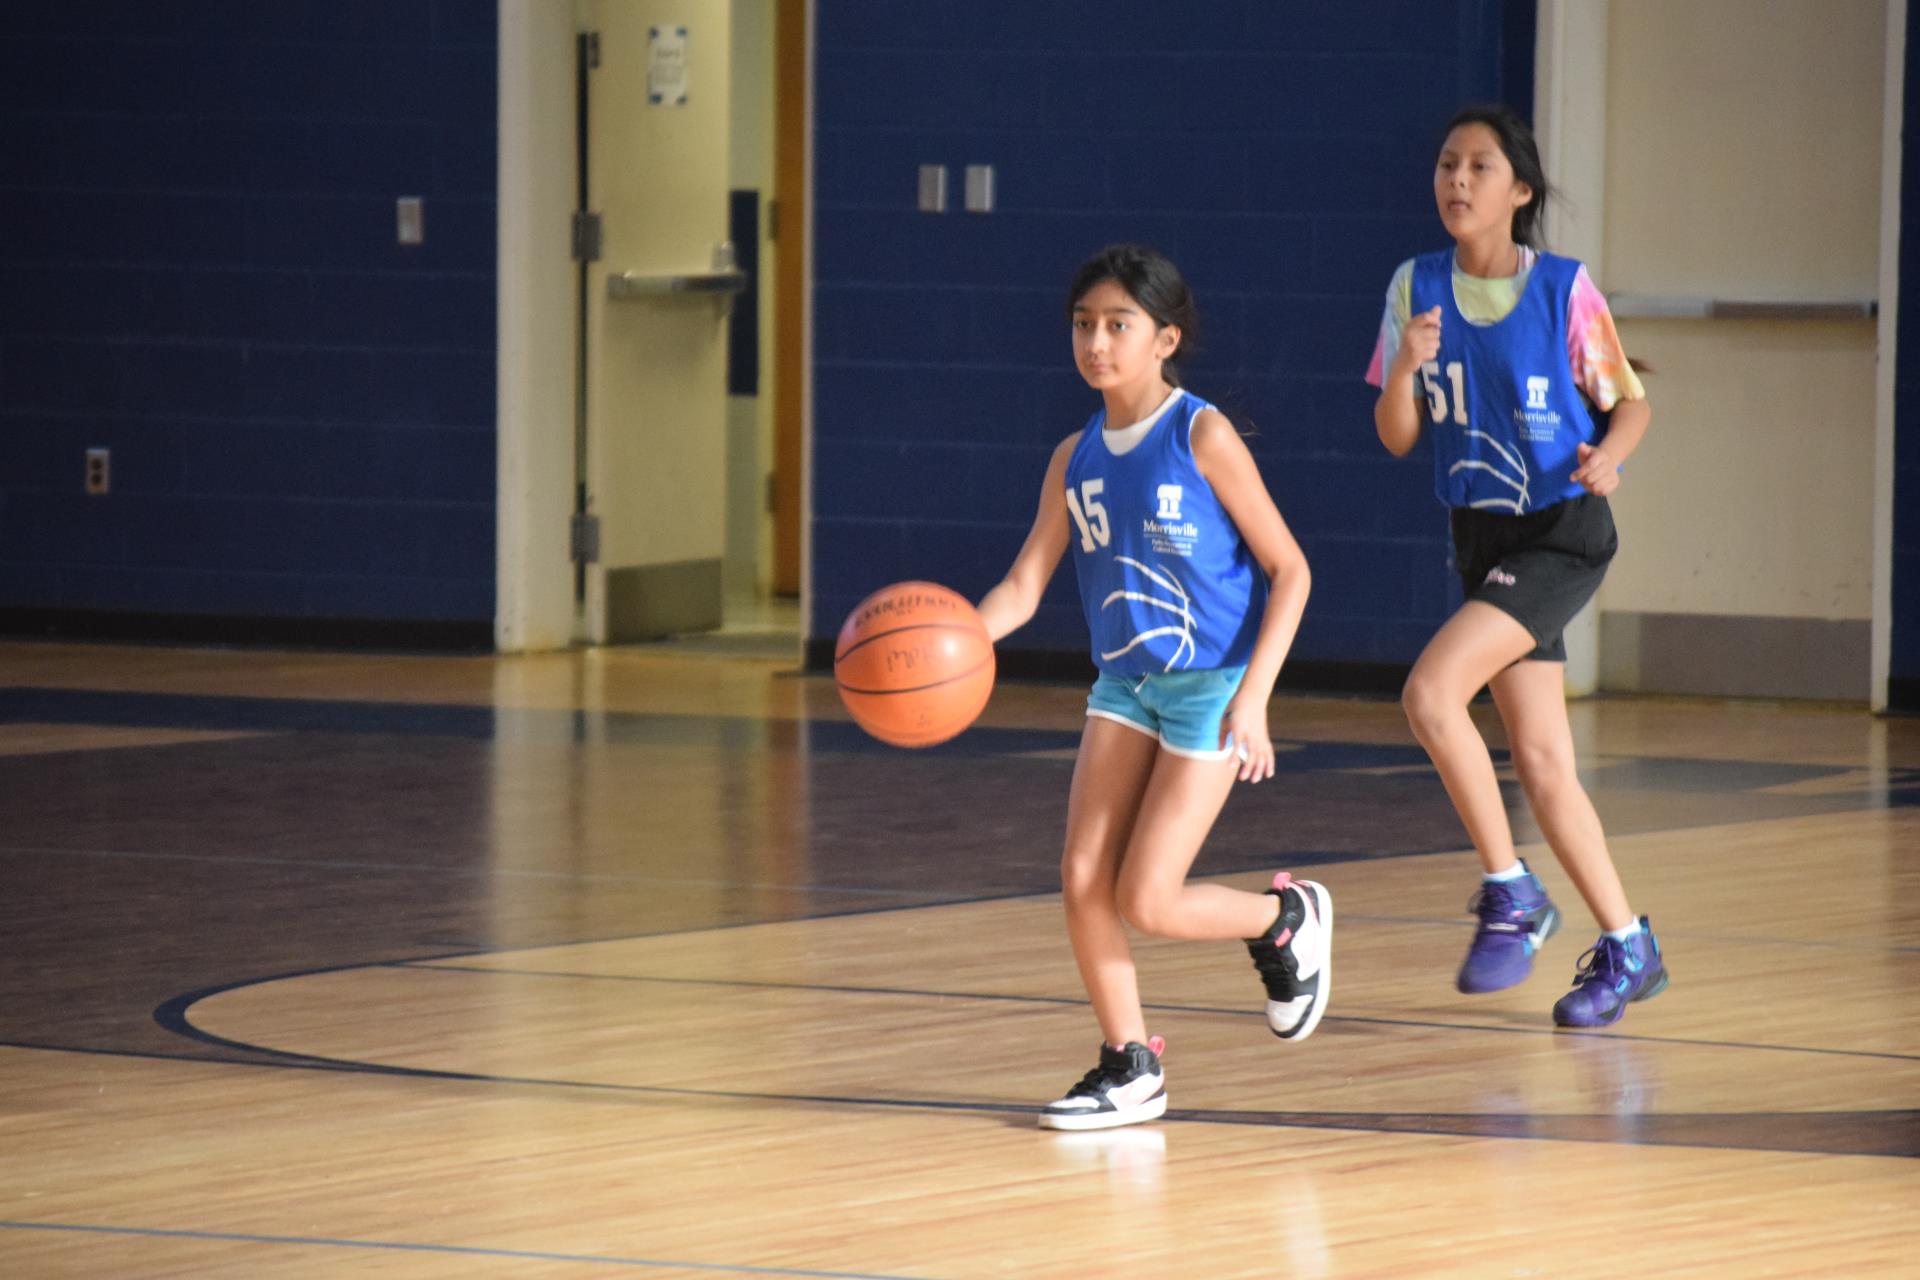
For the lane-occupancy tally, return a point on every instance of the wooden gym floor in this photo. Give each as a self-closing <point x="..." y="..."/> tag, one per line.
<point x="643" y="962"/>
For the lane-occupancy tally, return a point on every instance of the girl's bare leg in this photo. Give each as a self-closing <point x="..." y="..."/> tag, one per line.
<point x="1475" y="646"/>
<point x="1533" y="704"/>
<point x="1109" y="782"/>
<point x="1182" y="800"/>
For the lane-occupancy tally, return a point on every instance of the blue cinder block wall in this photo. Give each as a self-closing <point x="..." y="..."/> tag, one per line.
<point x="1280" y="153"/>
<point x="199" y="272"/>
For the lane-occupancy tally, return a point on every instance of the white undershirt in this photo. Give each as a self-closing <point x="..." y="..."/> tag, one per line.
<point x="1121" y="440"/>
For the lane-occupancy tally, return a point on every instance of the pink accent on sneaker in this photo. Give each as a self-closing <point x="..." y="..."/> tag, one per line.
<point x="1285" y="935"/>
<point x="1281" y="879"/>
<point x="1158" y="1045"/>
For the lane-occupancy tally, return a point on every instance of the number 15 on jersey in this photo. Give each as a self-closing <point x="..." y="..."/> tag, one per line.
<point x="1090" y="513"/>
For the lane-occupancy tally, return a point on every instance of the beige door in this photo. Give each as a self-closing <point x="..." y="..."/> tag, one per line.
<point x="655" y="326"/>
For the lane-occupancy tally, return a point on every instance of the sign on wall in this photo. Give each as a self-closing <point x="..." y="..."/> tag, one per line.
<point x="667" y="66"/>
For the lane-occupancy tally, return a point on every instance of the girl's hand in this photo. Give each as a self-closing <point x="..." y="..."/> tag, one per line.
<point x="1597" y="472"/>
<point x="1420" y="343"/>
<point x="1245" y="722"/>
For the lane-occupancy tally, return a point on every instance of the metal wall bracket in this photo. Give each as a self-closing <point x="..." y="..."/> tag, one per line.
<point x="586" y="236"/>
<point x="586" y="539"/>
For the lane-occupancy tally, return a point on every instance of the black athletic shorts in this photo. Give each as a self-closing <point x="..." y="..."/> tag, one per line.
<point x="1540" y="568"/>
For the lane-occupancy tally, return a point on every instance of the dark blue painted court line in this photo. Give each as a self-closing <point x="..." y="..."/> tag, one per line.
<point x="827" y="736"/>
<point x="442" y="720"/>
<point x="905" y="899"/>
<point x="466" y="1251"/>
<point x="443" y="966"/>
<point x="1874" y="1133"/>
<point x="199" y="711"/>
<point x="1260" y="862"/>
<point x="1878" y="1133"/>
<point x="1894" y="1134"/>
<point x="279" y="1060"/>
<point x="902" y="899"/>
<point x="906" y="896"/>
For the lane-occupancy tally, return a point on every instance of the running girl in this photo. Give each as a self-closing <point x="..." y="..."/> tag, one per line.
<point x="1503" y="353"/>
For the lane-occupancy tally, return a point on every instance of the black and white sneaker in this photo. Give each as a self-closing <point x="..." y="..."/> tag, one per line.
<point x="1295" y="957"/>
<point x="1126" y="1088"/>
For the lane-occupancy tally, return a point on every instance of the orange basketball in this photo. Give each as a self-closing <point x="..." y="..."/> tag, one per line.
<point x="914" y="664"/>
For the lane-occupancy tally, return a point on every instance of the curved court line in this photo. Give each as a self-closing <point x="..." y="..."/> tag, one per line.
<point x="1557" y="1032"/>
<point x="467" y="1251"/>
<point x="1894" y="1134"/>
<point x="1887" y="1133"/>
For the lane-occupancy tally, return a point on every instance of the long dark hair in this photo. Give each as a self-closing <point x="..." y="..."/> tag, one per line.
<point x="1152" y="280"/>
<point x="1523" y="153"/>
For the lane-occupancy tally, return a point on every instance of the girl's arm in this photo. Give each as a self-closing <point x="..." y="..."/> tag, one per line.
<point x="1599" y="467"/>
<point x="1224" y="460"/>
<point x="1008" y="606"/>
<point x="1396" y="414"/>
<point x="1600" y="366"/>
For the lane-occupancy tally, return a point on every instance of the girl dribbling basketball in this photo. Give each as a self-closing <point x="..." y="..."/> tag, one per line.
<point x="1502" y="353"/>
<point x="1193" y="588"/>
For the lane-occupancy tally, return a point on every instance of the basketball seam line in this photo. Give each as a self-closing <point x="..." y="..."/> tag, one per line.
<point x="920" y="688"/>
<point x="838" y="658"/>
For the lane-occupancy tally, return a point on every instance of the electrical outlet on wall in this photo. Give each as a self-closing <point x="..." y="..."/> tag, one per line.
<point x="409" y="220"/>
<point x="99" y="470"/>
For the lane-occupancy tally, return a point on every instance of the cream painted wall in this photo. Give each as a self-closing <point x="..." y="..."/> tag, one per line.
<point x="1743" y="143"/>
<point x="1752" y="495"/>
<point x="1743" y="146"/>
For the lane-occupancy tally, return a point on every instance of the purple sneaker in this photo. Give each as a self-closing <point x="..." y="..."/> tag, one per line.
<point x="1515" y="918"/>
<point x="1610" y="976"/>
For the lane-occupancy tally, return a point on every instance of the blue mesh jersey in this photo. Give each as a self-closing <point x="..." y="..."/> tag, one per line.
<point x="1167" y="582"/>
<point x="1503" y="408"/>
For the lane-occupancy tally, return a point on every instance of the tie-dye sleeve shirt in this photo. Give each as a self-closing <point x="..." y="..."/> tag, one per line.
<point x="1594" y="353"/>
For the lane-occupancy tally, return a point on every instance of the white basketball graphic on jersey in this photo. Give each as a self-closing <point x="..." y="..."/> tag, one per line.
<point x="1518" y="478"/>
<point x="1179" y="606"/>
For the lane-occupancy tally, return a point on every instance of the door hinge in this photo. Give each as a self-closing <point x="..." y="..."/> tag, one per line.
<point x="773" y="219"/>
<point x="773" y="492"/>
<point x="586" y="539"/>
<point x="586" y="236"/>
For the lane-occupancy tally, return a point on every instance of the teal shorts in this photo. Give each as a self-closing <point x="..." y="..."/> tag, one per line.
<point x="1181" y="708"/>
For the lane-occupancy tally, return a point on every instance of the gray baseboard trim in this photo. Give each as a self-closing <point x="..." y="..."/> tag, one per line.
<point x="1736" y="657"/>
<point x="646" y="602"/>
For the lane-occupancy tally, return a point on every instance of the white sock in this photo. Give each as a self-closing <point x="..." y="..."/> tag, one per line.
<point x="1513" y="872"/>
<point x="1621" y="935"/>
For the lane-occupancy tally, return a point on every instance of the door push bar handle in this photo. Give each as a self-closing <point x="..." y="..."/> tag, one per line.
<point x="633" y="284"/>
